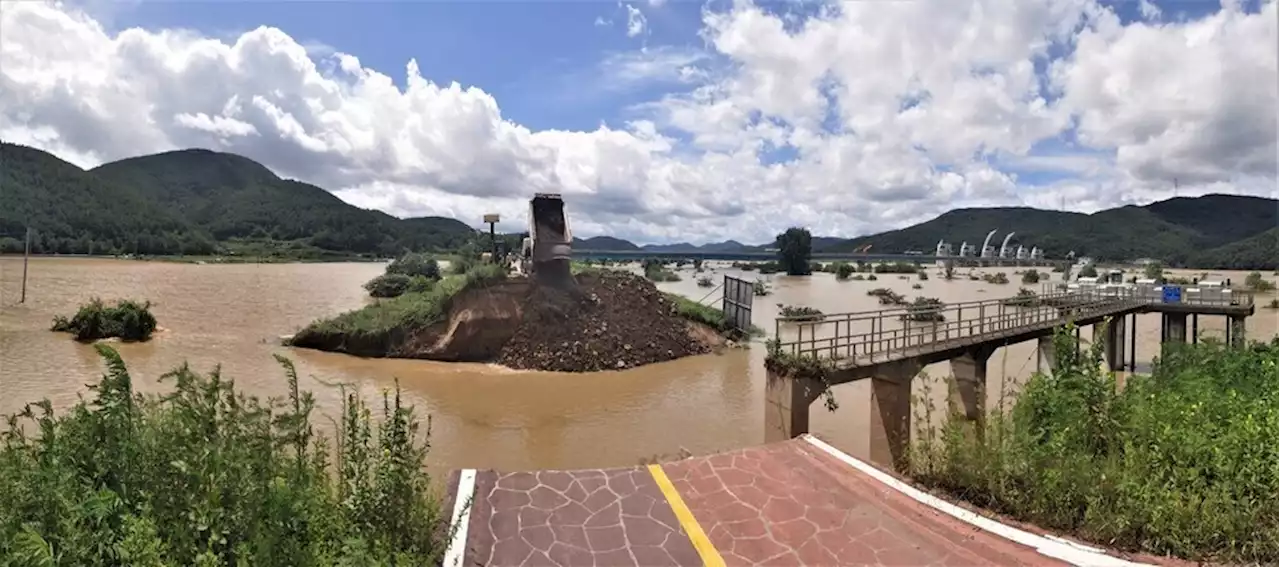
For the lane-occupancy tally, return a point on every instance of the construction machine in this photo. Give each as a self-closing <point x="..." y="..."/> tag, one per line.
<point x="546" y="252"/>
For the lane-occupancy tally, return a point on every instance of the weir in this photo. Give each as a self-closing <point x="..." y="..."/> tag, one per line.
<point x="890" y="347"/>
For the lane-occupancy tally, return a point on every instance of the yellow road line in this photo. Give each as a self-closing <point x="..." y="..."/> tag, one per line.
<point x="710" y="557"/>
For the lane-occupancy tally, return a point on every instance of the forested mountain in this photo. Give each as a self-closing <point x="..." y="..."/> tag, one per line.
<point x="188" y="202"/>
<point x="603" y="243"/>
<point x="75" y="212"/>
<point x="1178" y="231"/>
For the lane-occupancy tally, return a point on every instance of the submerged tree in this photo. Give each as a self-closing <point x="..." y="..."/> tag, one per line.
<point x="794" y="247"/>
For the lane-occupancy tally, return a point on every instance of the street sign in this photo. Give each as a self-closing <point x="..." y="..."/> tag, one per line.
<point x="1172" y="294"/>
<point x="491" y="219"/>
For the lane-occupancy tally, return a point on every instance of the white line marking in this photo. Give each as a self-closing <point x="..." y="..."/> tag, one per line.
<point x="1057" y="548"/>
<point x="457" y="549"/>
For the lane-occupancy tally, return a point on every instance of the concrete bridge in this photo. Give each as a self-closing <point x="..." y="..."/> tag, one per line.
<point x="891" y="346"/>
<point x="633" y="255"/>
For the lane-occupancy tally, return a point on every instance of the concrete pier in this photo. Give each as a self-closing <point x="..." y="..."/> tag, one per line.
<point x="1173" y="328"/>
<point x="1112" y="335"/>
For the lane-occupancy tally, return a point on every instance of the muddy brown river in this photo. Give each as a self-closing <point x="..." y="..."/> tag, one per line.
<point x="482" y="416"/>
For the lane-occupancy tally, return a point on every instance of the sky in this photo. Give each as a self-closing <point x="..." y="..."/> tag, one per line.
<point x="669" y="120"/>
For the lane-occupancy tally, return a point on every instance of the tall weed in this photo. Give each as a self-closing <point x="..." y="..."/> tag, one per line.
<point x="1181" y="462"/>
<point x="206" y="475"/>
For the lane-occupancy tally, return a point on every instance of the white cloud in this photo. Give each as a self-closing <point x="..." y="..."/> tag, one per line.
<point x="889" y="113"/>
<point x="636" y="21"/>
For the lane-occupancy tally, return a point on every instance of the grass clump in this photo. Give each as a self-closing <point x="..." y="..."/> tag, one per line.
<point x="128" y="320"/>
<point x="206" y="475"/>
<point x="1181" y="462"/>
<point x="1030" y="277"/>
<point x="691" y="310"/>
<point x="656" y="270"/>
<point x="998" y="278"/>
<point x="379" y="329"/>
<point x="800" y="313"/>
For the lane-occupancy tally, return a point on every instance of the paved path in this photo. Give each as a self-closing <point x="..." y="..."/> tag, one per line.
<point x="800" y="502"/>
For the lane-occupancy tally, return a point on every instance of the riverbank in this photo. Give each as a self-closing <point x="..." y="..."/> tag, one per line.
<point x="612" y="320"/>
<point x="1179" y="463"/>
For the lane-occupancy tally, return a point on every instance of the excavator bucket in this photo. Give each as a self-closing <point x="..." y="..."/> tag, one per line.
<point x="552" y="241"/>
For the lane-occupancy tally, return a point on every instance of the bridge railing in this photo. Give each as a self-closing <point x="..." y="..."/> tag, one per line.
<point x="874" y="333"/>
<point x="1154" y="294"/>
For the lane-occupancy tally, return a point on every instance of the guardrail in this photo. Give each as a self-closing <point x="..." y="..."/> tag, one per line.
<point x="878" y="335"/>
<point x="1155" y="294"/>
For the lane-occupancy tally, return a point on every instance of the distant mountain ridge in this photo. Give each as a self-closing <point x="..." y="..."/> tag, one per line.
<point x="197" y="201"/>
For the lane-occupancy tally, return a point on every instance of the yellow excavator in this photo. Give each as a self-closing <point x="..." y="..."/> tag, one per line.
<point x="545" y="254"/>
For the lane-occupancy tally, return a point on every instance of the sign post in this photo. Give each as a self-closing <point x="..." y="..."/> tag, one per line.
<point x="493" y="219"/>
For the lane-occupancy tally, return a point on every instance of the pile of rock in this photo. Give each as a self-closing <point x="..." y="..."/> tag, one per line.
<point x="613" y="320"/>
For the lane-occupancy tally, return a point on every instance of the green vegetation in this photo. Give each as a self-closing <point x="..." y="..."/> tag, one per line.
<point x="194" y="202"/>
<point x="127" y="320"/>
<point x="208" y="476"/>
<point x="1031" y="277"/>
<point x="412" y="272"/>
<point x="1024" y="298"/>
<point x="997" y="278"/>
<point x="794" y="247"/>
<point x="922" y="275"/>
<point x="656" y="270"/>
<point x="706" y="281"/>
<point x="1256" y="283"/>
<point x="800" y="313"/>
<point x="378" y="329"/>
<point x="1153" y="271"/>
<point x="949" y="270"/>
<point x="1275" y="304"/>
<point x="925" y="310"/>
<point x="760" y="288"/>
<point x="691" y="310"/>
<point x="887" y="296"/>
<point x="843" y="270"/>
<point x="1181" y="462"/>
<point x="1089" y="271"/>
<point x="896" y="268"/>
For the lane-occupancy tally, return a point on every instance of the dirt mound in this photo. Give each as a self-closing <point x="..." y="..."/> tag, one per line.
<point x="613" y="320"/>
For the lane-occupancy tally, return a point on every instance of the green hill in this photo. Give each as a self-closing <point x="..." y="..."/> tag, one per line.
<point x="1178" y="231"/>
<point x="75" y="212"/>
<point x="1258" y="252"/>
<point x="195" y="202"/>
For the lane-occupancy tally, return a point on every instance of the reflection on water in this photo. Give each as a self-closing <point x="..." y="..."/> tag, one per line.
<point x="482" y="416"/>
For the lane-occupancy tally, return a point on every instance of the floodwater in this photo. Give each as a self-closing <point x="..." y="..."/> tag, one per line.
<point x="482" y="416"/>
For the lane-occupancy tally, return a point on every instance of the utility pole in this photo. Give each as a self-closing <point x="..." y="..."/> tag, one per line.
<point x="26" y="257"/>
<point x="493" y="219"/>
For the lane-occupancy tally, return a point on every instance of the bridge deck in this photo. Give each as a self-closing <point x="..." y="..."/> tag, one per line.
<point x="799" y="502"/>
<point x="923" y="331"/>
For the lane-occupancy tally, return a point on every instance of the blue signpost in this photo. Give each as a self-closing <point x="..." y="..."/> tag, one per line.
<point x="1172" y="294"/>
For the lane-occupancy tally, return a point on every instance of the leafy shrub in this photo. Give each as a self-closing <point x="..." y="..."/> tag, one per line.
<point x="705" y="281"/>
<point x="1255" y="282"/>
<point x="916" y="286"/>
<point x="388" y="285"/>
<point x="1180" y="462"/>
<point x="925" y="310"/>
<point x="922" y="275"/>
<point x="127" y="319"/>
<point x="1031" y="277"/>
<point x="997" y="278"/>
<point x="414" y="264"/>
<point x="896" y="268"/>
<point x="887" y="296"/>
<point x="206" y="475"/>
<point x="656" y="270"/>
<point x="1089" y="271"/>
<point x="1024" y="298"/>
<point x="760" y="288"/>
<point x="843" y="270"/>
<point x="800" y="313"/>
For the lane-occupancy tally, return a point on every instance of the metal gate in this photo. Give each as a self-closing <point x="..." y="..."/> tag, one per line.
<point x="738" y="294"/>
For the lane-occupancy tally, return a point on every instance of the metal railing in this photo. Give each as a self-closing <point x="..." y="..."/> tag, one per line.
<point x="1190" y="295"/>
<point x="881" y="335"/>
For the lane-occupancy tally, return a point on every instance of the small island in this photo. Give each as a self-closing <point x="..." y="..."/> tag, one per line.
<point x="127" y="320"/>
<point x="478" y="312"/>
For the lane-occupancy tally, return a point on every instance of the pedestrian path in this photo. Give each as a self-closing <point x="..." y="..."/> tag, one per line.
<point x="798" y="502"/>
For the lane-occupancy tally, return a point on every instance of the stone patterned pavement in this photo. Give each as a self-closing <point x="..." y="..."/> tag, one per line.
<point x="787" y="503"/>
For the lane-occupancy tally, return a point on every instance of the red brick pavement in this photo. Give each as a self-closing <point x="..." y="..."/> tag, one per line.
<point x="788" y="503"/>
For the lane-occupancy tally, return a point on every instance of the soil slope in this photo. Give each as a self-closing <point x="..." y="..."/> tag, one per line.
<point x="613" y="320"/>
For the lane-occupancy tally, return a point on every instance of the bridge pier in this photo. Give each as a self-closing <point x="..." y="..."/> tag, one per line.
<point x="967" y="395"/>
<point x="1113" y="336"/>
<point x="891" y="411"/>
<point x="1235" y="330"/>
<point x="1046" y="355"/>
<point x="1173" y="328"/>
<point x="786" y="405"/>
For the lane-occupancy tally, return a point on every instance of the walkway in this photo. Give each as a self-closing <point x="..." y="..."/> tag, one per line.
<point x="798" y="502"/>
<point x="933" y="331"/>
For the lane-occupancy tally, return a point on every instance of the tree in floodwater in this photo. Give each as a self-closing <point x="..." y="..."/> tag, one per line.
<point x="794" y="247"/>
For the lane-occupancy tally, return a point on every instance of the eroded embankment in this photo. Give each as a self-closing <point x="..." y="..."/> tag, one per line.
<point x="612" y="320"/>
